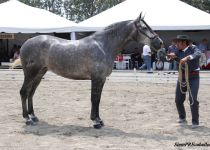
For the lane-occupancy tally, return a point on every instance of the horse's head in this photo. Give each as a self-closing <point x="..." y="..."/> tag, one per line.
<point x="145" y="34"/>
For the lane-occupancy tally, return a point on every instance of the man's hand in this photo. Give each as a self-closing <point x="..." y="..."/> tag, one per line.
<point x="184" y="60"/>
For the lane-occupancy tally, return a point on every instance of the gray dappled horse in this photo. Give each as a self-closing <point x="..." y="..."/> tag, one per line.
<point x="91" y="58"/>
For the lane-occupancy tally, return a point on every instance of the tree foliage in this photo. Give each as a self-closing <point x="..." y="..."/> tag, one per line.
<point x="76" y="10"/>
<point x="55" y="6"/>
<point x="79" y="10"/>
<point x="200" y="4"/>
<point x="2" y="1"/>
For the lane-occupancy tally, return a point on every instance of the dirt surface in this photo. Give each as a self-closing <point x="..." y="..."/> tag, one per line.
<point x="138" y="110"/>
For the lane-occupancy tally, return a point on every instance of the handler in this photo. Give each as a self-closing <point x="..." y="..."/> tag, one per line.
<point x="188" y="58"/>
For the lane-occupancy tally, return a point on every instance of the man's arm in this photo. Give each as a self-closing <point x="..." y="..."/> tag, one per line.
<point x="196" y="54"/>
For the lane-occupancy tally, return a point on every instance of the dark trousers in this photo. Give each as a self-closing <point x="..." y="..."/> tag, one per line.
<point x="180" y="98"/>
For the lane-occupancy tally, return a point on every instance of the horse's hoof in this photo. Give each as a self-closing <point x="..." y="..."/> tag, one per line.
<point x="101" y="123"/>
<point x="97" y="126"/>
<point x="98" y="123"/>
<point x="30" y="122"/>
<point x="35" y="119"/>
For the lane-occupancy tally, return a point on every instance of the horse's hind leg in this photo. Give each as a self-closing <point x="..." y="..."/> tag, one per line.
<point x="32" y="90"/>
<point x="96" y="89"/>
<point x="24" y="95"/>
<point x="32" y="79"/>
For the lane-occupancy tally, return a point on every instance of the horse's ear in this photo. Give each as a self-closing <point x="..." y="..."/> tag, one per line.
<point x="139" y="17"/>
<point x="142" y="17"/>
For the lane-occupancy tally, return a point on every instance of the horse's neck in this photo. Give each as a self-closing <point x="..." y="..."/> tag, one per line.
<point x="114" y="41"/>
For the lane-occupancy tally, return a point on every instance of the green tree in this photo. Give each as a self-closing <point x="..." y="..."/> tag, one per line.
<point x="200" y="4"/>
<point x="33" y="3"/>
<point x="54" y="6"/>
<point x="79" y="10"/>
<point x="76" y="10"/>
<point x="2" y="1"/>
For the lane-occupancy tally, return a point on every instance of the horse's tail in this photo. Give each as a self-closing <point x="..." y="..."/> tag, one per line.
<point x="16" y="63"/>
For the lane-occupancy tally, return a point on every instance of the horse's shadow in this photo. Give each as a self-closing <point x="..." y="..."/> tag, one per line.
<point x="43" y="128"/>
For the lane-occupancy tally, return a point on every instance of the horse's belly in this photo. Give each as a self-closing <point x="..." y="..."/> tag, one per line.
<point x="71" y="74"/>
<point x="78" y="75"/>
<point x="69" y="70"/>
<point x="76" y="66"/>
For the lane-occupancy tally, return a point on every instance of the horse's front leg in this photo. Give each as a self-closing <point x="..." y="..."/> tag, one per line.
<point x="96" y="89"/>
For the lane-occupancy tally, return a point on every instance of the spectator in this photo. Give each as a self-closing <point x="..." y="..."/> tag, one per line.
<point x="147" y="59"/>
<point x="203" y="46"/>
<point x="160" y="58"/>
<point x="3" y="52"/>
<point x="17" y="53"/>
<point x="172" y="49"/>
<point x="161" y="53"/>
<point x="135" y="59"/>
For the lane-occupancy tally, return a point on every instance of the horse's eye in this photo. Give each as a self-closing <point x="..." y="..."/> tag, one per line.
<point x="145" y="28"/>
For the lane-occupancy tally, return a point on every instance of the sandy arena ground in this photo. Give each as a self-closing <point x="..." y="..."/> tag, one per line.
<point x="138" y="110"/>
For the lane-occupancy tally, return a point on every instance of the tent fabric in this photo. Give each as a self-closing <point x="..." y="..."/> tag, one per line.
<point x="159" y="14"/>
<point x="18" y="17"/>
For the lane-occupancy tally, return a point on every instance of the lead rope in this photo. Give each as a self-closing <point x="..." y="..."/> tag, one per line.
<point x="185" y="83"/>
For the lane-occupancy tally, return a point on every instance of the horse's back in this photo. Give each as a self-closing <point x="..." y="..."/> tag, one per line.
<point x="37" y="44"/>
<point x="36" y="49"/>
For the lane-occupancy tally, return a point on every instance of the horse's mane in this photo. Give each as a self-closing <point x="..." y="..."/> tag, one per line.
<point x="114" y="28"/>
<point x="116" y="25"/>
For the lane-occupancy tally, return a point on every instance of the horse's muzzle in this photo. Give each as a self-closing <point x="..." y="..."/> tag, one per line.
<point x="156" y="43"/>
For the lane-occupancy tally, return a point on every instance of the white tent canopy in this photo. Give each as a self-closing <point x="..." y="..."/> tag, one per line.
<point x="17" y="17"/>
<point x="159" y="14"/>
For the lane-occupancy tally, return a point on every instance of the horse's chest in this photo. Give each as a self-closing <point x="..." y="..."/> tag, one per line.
<point x="102" y="68"/>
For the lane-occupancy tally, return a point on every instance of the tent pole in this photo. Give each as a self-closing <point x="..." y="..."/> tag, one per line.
<point x="73" y="36"/>
<point x="8" y="49"/>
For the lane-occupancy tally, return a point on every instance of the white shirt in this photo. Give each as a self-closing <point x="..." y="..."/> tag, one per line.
<point x="146" y="50"/>
<point x="185" y="48"/>
<point x="189" y="55"/>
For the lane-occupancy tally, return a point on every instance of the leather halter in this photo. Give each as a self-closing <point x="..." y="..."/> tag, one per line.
<point x="148" y="27"/>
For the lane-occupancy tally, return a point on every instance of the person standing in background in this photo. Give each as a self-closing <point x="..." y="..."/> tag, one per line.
<point x="147" y="59"/>
<point x="17" y="53"/>
<point x="172" y="49"/>
<point x="203" y="46"/>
